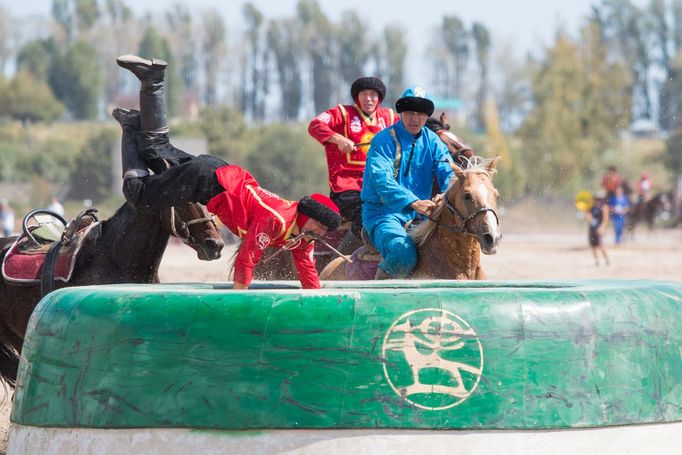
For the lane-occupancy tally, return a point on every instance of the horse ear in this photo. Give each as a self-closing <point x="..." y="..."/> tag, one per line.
<point x="444" y="119"/>
<point x="491" y="165"/>
<point x="457" y="170"/>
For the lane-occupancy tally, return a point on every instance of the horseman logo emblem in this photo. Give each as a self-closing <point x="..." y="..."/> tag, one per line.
<point x="262" y="240"/>
<point x="433" y="359"/>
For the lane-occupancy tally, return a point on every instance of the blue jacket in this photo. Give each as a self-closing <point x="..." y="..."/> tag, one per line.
<point x="423" y="157"/>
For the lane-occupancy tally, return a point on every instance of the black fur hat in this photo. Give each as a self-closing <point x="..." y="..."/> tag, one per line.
<point x="319" y="207"/>
<point x="368" y="83"/>
<point x="415" y="99"/>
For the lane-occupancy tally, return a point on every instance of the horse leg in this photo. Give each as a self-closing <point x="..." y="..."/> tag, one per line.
<point x="10" y="347"/>
<point x="480" y="274"/>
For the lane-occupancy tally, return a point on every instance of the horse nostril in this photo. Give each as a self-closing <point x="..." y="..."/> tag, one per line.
<point x="215" y="246"/>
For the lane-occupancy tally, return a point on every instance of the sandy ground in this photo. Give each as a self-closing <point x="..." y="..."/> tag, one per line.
<point x="543" y="239"/>
<point x="657" y="256"/>
<point x="553" y="246"/>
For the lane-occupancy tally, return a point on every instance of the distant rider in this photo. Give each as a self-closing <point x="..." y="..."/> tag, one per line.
<point x="643" y="187"/>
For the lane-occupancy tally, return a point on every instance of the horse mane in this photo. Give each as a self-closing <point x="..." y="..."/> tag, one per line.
<point x="422" y="232"/>
<point x="436" y="125"/>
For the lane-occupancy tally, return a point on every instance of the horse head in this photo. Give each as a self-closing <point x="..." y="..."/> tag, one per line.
<point x="471" y="203"/>
<point x="197" y="229"/>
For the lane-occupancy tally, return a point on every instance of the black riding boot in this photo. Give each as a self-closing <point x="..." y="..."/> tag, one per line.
<point x="152" y="91"/>
<point x="132" y="164"/>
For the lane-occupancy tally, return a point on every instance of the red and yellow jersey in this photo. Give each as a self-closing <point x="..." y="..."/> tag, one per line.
<point x="345" y="170"/>
<point x="610" y="181"/>
<point x="261" y="219"/>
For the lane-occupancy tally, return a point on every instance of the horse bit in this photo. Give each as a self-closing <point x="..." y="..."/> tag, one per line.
<point x="187" y="237"/>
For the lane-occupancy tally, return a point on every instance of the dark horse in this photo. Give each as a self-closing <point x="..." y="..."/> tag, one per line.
<point x="126" y="248"/>
<point x="648" y="211"/>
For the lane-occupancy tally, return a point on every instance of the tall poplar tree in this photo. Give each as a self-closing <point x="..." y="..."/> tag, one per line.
<point x="581" y="104"/>
<point x="285" y="43"/>
<point x="481" y="38"/>
<point x="318" y="34"/>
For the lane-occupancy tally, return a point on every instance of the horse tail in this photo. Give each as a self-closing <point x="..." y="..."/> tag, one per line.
<point x="9" y="364"/>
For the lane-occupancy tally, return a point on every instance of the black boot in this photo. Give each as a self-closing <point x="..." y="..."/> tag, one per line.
<point x="132" y="164"/>
<point x="152" y="90"/>
<point x="127" y="117"/>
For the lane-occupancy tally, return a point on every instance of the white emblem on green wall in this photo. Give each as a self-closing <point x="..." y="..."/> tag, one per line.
<point x="432" y="358"/>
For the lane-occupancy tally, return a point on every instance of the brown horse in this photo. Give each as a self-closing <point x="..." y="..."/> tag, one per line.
<point x="451" y="240"/>
<point x="126" y="248"/>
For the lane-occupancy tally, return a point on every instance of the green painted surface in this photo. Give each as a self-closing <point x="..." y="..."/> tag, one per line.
<point x="466" y="355"/>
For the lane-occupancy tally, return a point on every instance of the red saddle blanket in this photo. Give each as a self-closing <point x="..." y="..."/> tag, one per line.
<point x="21" y="267"/>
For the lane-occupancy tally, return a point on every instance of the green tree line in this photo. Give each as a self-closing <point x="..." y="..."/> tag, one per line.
<point x="557" y="117"/>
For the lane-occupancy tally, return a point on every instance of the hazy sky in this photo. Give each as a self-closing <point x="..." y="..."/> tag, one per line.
<point x="521" y="25"/>
<point x="526" y="22"/>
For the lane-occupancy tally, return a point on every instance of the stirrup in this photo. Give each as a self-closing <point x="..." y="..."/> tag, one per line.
<point x="370" y="249"/>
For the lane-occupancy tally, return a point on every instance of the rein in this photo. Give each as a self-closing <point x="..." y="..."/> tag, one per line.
<point x="186" y="236"/>
<point x="293" y="242"/>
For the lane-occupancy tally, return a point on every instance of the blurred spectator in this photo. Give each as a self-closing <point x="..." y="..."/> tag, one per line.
<point x="620" y="205"/>
<point x="6" y="218"/>
<point x="610" y="181"/>
<point x="598" y="218"/>
<point x="56" y="206"/>
<point x="643" y="187"/>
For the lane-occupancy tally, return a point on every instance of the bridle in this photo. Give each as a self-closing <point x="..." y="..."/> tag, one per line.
<point x="462" y="228"/>
<point x="184" y="233"/>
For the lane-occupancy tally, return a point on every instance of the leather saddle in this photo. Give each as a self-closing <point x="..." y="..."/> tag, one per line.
<point x="366" y="258"/>
<point x="45" y="252"/>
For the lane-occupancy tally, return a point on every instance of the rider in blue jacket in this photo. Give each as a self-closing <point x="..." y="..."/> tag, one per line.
<point x="402" y="162"/>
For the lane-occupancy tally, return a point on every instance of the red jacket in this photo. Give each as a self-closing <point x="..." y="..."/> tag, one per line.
<point x="261" y="219"/>
<point x="345" y="170"/>
<point x="610" y="181"/>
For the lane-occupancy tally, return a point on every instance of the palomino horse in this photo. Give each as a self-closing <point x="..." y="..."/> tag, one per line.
<point x="126" y="248"/>
<point x="450" y="241"/>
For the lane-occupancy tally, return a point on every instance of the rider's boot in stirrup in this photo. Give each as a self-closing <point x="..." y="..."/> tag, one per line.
<point x="151" y="74"/>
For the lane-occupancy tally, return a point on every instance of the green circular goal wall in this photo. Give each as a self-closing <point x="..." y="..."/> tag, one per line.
<point x="402" y="354"/>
